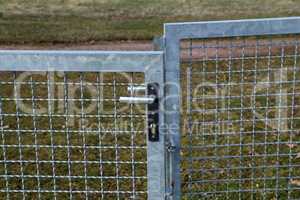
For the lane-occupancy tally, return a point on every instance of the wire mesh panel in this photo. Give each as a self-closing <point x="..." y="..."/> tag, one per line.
<point x="240" y="137"/>
<point x="64" y="135"/>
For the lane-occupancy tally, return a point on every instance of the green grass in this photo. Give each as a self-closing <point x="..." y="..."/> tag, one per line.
<point x="74" y="21"/>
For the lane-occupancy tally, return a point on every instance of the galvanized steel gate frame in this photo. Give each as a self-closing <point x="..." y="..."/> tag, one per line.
<point x="149" y="63"/>
<point x="174" y="33"/>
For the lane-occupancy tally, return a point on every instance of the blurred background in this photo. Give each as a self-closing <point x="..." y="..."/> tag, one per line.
<point x="94" y="22"/>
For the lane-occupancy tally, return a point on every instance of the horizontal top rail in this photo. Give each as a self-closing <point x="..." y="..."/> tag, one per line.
<point x="87" y="61"/>
<point x="233" y="28"/>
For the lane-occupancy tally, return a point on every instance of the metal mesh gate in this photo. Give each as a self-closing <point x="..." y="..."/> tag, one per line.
<point x="240" y="139"/>
<point x="233" y="134"/>
<point x="237" y="84"/>
<point x="65" y="134"/>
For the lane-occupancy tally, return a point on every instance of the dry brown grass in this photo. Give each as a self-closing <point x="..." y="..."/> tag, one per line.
<point x="87" y="20"/>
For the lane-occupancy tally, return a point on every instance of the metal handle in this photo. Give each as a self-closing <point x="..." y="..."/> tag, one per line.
<point x="152" y="102"/>
<point x="137" y="100"/>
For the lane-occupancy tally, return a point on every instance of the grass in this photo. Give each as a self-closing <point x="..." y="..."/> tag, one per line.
<point x="73" y="21"/>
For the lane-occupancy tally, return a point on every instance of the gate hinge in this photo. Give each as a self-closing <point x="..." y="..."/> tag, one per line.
<point x="169" y="193"/>
<point x="170" y="147"/>
<point x="168" y="196"/>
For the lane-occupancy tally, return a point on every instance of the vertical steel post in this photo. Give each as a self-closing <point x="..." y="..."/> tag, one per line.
<point x="172" y="110"/>
<point x="156" y="149"/>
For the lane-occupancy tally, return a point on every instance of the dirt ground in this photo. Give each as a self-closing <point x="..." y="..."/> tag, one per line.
<point x="105" y="46"/>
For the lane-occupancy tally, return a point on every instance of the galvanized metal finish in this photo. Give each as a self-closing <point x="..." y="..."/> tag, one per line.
<point x="156" y="150"/>
<point x="136" y="89"/>
<point x="64" y="133"/>
<point x="137" y="100"/>
<point x="232" y="28"/>
<point x="77" y="61"/>
<point x="204" y="153"/>
<point x="172" y="108"/>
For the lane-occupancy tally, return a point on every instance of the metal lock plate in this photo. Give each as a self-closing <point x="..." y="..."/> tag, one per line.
<point x="153" y="113"/>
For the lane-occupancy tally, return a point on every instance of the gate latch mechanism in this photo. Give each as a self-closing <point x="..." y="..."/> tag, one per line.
<point x="152" y="101"/>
